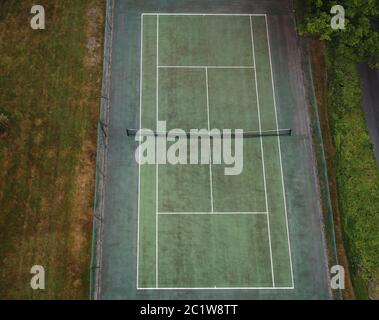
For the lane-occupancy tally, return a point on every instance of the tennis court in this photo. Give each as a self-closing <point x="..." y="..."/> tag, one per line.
<point x="197" y="227"/>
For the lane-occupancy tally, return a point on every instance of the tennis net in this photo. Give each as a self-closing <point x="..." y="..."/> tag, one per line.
<point x="205" y="133"/>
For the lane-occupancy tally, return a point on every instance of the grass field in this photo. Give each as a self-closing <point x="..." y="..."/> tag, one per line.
<point x="211" y="71"/>
<point x="50" y="84"/>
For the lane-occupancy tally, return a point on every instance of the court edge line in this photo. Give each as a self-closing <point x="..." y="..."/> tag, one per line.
<point x="262" y="151"/>
<point x="280" y="152"/>
<point x="204" y="14"/>
<point x="209" y="129"/>
<point x="204" y="67"/>
<point x="139" y="154"/>
<point x="221" y="288"/>
<point x="212" y="213"/>
<point x="157" y="168"/>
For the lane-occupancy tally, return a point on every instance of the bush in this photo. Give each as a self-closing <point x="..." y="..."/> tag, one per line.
<point x="357" y="173"/>
<point x="4" y="124"/>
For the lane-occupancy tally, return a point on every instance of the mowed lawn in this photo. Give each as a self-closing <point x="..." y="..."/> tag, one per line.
<point x="50" y="84"/>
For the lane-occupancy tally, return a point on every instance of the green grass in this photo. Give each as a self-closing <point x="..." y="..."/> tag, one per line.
<point x="50" y="84"/>
<point x="357" y="173"/>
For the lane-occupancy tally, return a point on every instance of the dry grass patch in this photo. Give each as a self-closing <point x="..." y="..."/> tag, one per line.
<point x="51" y="81"/>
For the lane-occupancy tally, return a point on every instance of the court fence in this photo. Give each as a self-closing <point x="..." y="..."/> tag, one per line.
<point x="101" y="158"/>
<point x="322" y="168"/>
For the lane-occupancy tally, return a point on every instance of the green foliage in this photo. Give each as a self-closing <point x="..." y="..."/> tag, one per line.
<point x="357" y="173"/>
<point x="356" y="169"/>
<point x="358" y="42"/>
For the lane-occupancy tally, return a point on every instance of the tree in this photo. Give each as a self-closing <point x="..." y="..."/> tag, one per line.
<point x="358" y="41"/>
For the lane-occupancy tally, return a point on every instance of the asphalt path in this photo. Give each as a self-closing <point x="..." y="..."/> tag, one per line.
<point x="370" y="88"/>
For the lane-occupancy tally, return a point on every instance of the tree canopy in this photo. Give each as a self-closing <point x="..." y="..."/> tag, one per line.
<point x="358" y="41"/>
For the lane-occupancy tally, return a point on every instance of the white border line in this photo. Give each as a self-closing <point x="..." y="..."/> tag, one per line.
<point x="212" y="213"/>
<point x="203" y="14"/>
<point x="220" y="288"/>
<point x="263" y="157"/>
<point x="157" y="170"/>
<point x="139" y="155"/>
<point x="280" y="152"/>
<point x="206" y="67"/>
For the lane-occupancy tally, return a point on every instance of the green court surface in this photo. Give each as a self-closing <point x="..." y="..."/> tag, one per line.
<point x="197" y="227"/>
<point x="189" y="231"/>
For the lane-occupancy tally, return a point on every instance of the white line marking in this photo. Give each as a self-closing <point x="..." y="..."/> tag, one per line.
<point x="204" y="67"/>
<point x="157" y="173"/>
<point x="139" y="155"/>
<point x="209" y="130"/>
<point x="262" y="151"/>
<point x="221" y="288"/>
<point x="280" y="152"/>
<point x="204" y="14"/>
<point x="212" y="213"/>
